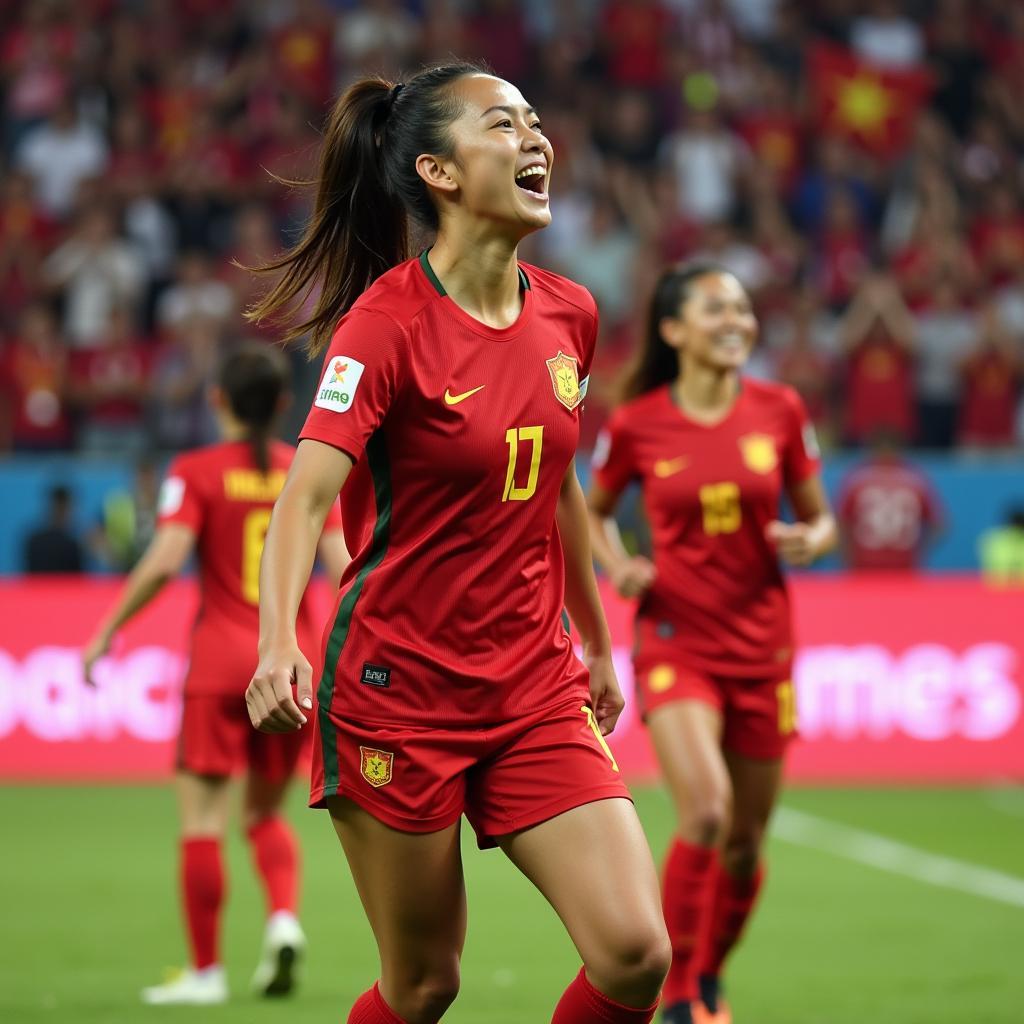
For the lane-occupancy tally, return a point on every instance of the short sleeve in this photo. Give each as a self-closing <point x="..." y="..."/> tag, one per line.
<point x="802" y="458"/>
<point x="612" y="461"/>
<point x="181" y="500"/>
<point x="361" y="376"/>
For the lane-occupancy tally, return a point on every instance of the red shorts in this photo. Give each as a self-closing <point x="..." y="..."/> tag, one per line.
<point x="758" y="715"/>
<point x="504" y="778"/>
<point x="217" y="738"/>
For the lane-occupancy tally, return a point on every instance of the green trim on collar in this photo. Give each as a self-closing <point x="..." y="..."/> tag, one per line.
<point x="524" y="281"/>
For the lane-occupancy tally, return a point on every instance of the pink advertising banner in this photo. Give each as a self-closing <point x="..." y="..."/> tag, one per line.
<point x="899" y="679"/>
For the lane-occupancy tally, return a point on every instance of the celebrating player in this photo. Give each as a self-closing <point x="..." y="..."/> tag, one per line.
<point x="713" y="453"/>
<point x="217" y="501"/>
<point x="452" y="391"/>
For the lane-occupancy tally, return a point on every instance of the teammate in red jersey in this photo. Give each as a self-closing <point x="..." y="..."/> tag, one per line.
<point x="453" y="385"/>
<point x="216" y="502"/>
<point x="713" y="453"/>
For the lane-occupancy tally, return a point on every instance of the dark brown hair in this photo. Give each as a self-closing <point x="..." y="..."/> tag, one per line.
<point x="366" y="189"/>
<point x="656" y="361"/>
<point x="253" y="377"/>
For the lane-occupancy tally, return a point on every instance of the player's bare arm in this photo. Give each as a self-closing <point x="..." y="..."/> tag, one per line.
<point x="317" y="474"/>
<point x="814" y="534"/>
<point x="168" y="551"/>
<point x="584" y="603"/>
<point x="631" y="575"/>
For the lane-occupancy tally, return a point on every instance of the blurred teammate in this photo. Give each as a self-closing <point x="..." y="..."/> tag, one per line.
<point x="217" y="501"/>
<point x="713" y="453"/>
<point x="451" y="394"/>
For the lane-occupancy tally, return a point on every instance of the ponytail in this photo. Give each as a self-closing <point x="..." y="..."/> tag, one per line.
<point x="253" y="377"/>
<point x="366" y="189"/>
<point x="657" y="362"/>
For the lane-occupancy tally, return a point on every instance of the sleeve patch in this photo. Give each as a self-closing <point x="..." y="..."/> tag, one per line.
<point x="810" y="438"/>
<point x="602" y="449"/>
<point x="172" y="494"/>
<point x="337" y="390"/>
<point x="584" y="384"/>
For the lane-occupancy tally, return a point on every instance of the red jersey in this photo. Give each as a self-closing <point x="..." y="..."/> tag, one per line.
<point x="226" y="501"/>
<point x="709" y="492"/>
<point x="450" y="613"/>
<point x="885" y="507"/>
<point x="988" y="406"/>
<point x="879" y="389"/>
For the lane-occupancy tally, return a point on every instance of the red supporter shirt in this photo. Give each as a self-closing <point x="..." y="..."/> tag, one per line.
<point x="988" y="409"/>
<point x="879" y="389"/>
<point x="709" y="492"/>
<point x="884" y="508"/>
<point x="226" y="501"/>
<point x="450" y="612"/>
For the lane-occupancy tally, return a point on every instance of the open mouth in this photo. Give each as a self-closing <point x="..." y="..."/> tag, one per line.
<point x="532" y="179"/>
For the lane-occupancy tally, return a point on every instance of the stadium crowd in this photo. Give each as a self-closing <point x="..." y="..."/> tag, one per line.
<point x="856" y="164"/>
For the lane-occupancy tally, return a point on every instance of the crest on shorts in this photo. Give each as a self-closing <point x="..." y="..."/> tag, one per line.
<point x="376" y="766"/>
<point x="565" y="380"/>
<point x="759" y="452"/>
<point x="661" y="678"/>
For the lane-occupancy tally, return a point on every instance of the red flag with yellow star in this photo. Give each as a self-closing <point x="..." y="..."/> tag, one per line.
<point x="872" y="106"/>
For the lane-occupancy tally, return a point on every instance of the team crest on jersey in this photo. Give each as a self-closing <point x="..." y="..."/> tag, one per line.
<point x="376" y="766"/>
<point x="759" y="452"/>
<point x="565" y="380"/>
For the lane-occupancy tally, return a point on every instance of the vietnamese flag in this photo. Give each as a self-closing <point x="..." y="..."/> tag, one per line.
<point x="872" y="106"/>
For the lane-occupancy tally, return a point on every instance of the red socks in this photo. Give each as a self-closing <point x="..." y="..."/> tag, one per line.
<point x="370" y="1008"/>
<point x="581" y="1003"/>
<point x="734" y="900"/>
<point x="202" y="888"/>
<point x="277" y="861"/>
<point x="687" y="898"/>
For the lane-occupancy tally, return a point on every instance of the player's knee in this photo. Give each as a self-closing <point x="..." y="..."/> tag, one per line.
<point x="425" y="998"/>
<point x="742" y="851"/>
<point x="636" y="962"/>
<point x="709" y="818"/>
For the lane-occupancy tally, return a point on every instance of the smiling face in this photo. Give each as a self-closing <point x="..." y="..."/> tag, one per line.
<point x="716" y="326"/>
<point x="501" y="165"/>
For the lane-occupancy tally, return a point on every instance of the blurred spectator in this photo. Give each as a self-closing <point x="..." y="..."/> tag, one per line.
<point x="94" y="270"/>
<point x="836" y="169"/>
<point x="886" y="36"/>
<point x="888" y="512"/>
<point x="945" y="333"/>
<point x="195" y="293"/>
<point x="24" y="235"/>
<point x="633" y="36"/>
<point x="53" y="547"/>
<point x="379" y="33"/>
<point x="842" y="250"/>
<point x="990" y="376"/>
<point x="1001" y="550"/>
<point x="128" y="521"/>
<point x="878" y="336"/>
<point x="707" y="161"/>
<point x="33" y="381"/>
<point x="109" y="386"/>
<point x="183" y="372"/>
<point x="59" y="155"/>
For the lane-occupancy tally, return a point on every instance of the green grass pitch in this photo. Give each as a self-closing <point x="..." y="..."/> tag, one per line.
<point x="90" y="915"/>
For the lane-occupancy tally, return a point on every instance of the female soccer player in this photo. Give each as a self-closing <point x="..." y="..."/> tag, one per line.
<point x="451" y="392"/>
<point x="713" y="453"/>
<point x="217" y="501"/>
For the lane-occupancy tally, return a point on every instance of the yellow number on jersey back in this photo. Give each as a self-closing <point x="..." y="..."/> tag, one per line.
<point x="254" y="532"/>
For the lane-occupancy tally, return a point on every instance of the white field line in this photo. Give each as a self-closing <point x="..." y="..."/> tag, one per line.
<point x="896" y="858"/>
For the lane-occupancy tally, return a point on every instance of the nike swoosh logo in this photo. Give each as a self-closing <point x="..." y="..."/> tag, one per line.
<point x="450" y="399"/>
<point x="669" y="467"/>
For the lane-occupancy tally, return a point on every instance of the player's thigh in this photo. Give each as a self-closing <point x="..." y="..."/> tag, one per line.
<point x="412" y="888"/>
<point x="594" y="866"/>
<point x="756" y="784"/>
<point x="203" y="803"/>
<point x="686" y="736"/>
<point x="272" y="762"/>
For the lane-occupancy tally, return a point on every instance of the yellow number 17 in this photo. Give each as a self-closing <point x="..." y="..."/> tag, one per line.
<point x="513" y="436"/>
